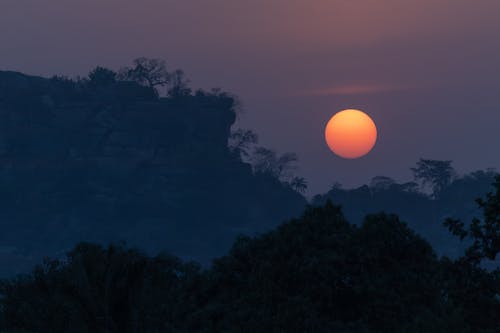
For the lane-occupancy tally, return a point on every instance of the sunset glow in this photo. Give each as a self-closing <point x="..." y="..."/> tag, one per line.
<point x="351" y="134"/>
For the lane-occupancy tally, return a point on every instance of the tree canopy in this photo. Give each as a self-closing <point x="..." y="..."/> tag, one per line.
<point x="434" y="173"/>
<point x="150" y="72"/>
<point x="484" y="232"/>
<point x="316" y="273"/>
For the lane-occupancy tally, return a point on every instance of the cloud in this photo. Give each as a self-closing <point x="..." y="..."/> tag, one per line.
<point x="355" y="89"/>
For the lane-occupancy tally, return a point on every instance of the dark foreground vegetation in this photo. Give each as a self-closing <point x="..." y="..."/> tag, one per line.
<point x="317" y="273"/>
<point x="137" y="155"/>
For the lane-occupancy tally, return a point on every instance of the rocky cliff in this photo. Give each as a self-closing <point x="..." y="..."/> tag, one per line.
<point x="115" y="162"/>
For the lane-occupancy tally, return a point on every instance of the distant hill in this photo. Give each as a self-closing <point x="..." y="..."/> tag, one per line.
<point x="111" y="161"/>
<point x="421" y="211"/>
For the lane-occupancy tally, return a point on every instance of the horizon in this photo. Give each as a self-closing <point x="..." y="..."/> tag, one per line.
<point x="427" y="78"/>
<point x="249" y="166"/>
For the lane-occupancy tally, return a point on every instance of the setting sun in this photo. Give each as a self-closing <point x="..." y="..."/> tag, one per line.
<point x="351" y="133"/>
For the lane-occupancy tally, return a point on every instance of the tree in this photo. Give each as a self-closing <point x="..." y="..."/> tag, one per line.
<point x="410" y="187"/>
<point x="436" y="174"/>
<point x="381" y="183"/>
<point x="96" y="289"/>
<point x="470" y="282"/>
<point x="299" y="184"/>
<point x="485" y="232"/>
<point x="101" y="76"/>
<point x="266" y="161"/>
<point x="318" y="273"/>
<point x="314" y="273"/>
<point x="179" y="84"/>
<point x="241" y="140"/>
<point x="149" y="72"/>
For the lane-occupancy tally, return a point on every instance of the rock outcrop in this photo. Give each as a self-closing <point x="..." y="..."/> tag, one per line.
<point x="114" y="162"/>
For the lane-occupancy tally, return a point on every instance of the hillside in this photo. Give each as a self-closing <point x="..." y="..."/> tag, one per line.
<point x="423" y="213"/>
<point x="111" y="161"/>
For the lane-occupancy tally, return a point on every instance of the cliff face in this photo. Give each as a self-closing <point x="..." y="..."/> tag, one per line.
<point x="110" y="163"/>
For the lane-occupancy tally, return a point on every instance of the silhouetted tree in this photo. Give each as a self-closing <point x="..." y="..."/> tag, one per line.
<point x="485" y="232"/>
<point x="149" y="72"/>
<point x="319" y="273"/>
<point x="241" y="141"/>
<point x="437" y="174"/>
<point x="316" y="273"/>
<point x="179" y="84"/>
<point x="101" y="76"/>
<point x="299" y="184"/>
<point x="268" y="162"/>
<point x="96" y="290"/>
<point x="381" y="183"/>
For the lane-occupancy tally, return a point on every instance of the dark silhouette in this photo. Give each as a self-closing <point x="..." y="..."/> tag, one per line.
<point x="485" y="232"/>
<point x="299" y="184"/>
<point x="109" y="157"/>
<point x="242" y="141"/>
<point x="437" y="174"/>
<point x="149" y="72"/>
<point x="101" y="76"/>
<point x="424" y="212"/>
<point x="98" y="289"/>
<point x="179" y="84"/>
<point x="266" y="161"/>
<point x="104" y="160"/>
<point x="317" y="273"/>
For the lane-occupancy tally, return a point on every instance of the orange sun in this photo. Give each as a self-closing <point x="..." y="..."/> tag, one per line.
<point x="351" y="133"/>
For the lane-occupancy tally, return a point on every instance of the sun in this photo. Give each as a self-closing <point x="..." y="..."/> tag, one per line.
<point x="351" y="133"/>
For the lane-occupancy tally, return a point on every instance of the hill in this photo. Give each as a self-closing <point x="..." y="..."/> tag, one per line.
<point x="423" y="211"/>
<point x="108" y="160"/>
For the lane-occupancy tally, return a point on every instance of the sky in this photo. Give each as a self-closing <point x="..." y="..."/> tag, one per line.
<point x="426" y="71"/>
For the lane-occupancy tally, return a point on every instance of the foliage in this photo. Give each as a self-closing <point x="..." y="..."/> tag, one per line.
<point x="485" y="232"/>
<point x="101" y="76"/>
<point x="150" y="72"/>
<point x="437" y="174"/>
<point x="179" y="84"/>
<point x="268" y="162"/>
<point x="423" y="213"/>
<point x="93" y="159"/>
<point x="102" y="160"/>
<point x="299" y="184"/>
<point x="241" y="141"/>
<point x="95" y="290"/>
<point x="316" y="273"/>
<point x="381" y="183"/>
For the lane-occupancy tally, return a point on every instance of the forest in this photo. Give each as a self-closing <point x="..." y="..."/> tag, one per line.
<point x="316" y="273"/>
<point x="131" y="203"/>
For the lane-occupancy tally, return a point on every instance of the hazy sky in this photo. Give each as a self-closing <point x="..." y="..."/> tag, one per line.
<point x="427" y="71"/>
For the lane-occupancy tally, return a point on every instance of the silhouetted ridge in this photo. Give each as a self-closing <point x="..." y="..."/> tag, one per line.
<point x="424" y="210"/>
<point x="107" y="159"/>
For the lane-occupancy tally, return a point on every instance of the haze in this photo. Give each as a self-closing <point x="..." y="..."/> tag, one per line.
<point x="426" y="71"/>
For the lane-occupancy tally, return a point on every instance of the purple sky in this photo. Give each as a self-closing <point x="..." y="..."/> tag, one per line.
<point x="427" y="71"/>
